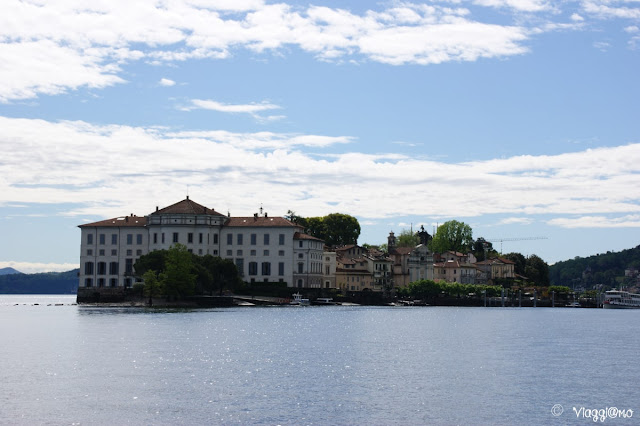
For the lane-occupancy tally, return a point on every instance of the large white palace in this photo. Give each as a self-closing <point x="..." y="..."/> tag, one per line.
<point x="270" y="249"/>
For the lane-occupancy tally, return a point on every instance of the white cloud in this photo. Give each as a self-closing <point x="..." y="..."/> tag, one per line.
<point x="53" y="47"/>
<point x="519" y="5"/>
<point x="516" y="220"/>
<point x="612" y="9"/>
<point x="166" y="82"/>
<point x="103" y="168"/>
<point x="252" y="109"/>
<point x="628" y="221"/>
<point x="35" y="267"/>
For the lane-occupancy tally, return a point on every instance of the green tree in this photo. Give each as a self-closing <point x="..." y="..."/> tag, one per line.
<point x="341" y="229"/>
<point x="154" y="261"/>
<point x="153" y="284"/>
<point x="180" y="281"/>
<point x="335" y="229"/>
<point x="482" y="246"/>
<point x="537" y="270"/>
<point x="452" y="235"/>
<point x="407" y="239"/>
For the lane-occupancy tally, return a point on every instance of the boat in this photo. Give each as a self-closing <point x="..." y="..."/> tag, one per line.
<point x="617" y="299"/>
<point x="298" y="300"/>
<point x="574" y="305"/>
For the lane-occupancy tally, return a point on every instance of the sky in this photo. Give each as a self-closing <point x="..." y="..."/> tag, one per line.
<point x="520" y="118"/>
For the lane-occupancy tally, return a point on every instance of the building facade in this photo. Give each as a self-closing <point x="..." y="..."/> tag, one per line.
<point x="263" y="248"/>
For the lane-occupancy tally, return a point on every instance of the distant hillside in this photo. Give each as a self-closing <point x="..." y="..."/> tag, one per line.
<point x="9" y="271"/>
<point x="607" y="269"/>
<point x="45" y="283"/>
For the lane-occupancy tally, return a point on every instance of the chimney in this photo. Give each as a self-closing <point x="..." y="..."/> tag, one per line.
<point x="187" y="197"/>
<point x="157" y="208"/>
<point x="126" y="218"/>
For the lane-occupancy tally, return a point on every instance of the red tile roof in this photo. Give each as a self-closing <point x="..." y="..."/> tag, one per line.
<point x="277" y="222"/>
<point x="301" y="236"/>
<point x="118" y="222"/>
<point x="187" y="206"/>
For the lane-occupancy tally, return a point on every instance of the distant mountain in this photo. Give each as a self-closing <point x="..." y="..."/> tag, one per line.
<point x="44" y="283"/>
<point x="9" y="271"/>
<point x="607" y="269"/>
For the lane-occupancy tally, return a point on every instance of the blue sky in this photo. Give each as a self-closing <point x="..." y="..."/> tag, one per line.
<point x="518" y="117"/>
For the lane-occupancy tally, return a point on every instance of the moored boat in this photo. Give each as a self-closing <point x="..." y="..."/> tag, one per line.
<point x="298" y="300"/>
<point x="617" y="299"/>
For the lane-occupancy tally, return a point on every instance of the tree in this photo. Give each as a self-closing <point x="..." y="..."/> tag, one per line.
<point x="341" y="229"/>
<point x="482" y="246"/>
<point x="180" y="282"/>
<point x="407" y="239"/>
<point x="452" y="235"/>
<point x="153" y="284"/>
<point x="537" y="270"/>
<point x="335" y="229"/>
<point x="154" y="261"/>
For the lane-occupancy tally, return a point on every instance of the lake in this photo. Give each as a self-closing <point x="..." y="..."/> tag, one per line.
<point x="352" y="365"/>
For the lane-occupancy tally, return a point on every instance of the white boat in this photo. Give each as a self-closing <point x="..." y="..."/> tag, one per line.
<point x="299" y="301"/>
<point x="617" y="299"/>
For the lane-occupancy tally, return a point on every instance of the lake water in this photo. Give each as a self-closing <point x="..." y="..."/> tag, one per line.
<point x="313" y="365"/>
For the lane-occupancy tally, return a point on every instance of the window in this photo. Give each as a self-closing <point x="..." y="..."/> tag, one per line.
<point x="89" y="240"/>
<point x="229" y="239"/>
<point x="88" y="268"/>
<point x="101" y="252"/>
<point x="163" y="238"/>
<point x="281" y="268"/>
<point x="88" y="282"/>
<point x="139" y="239"/>
<point x="190" y="237"/>
<point x="114" y="252"/>
<point x="138" y="252"/>
<point x="128" y="267"/>
<point x="100" y="282"/>
<point x="200" y="238"/>
<point x="253" y="253"/>
<point x="254" y="239"/>
<point x="300" y="255"/>
<point x="175" y="237"/>
<point x="281" y="253"/>
<point x="239" y="253"/>
<point x="102" y="239"/>
<point x="129" y="239"/>
<point x="281" y="239"/>
<point x="113" y="268"/>
<point x="229" y="252"/>
<point x="155" y="238"/>
<point x="266" y="268"/>
<point x="239" y="239"/>
<point x="266" y="239"/>
<point x="265" y="253"/>
<point x="253" y="268"/>
<point x="89" y="252"/>
<point x="114" y="239"/>
<point x="129" y="252"/>
<point x="300" y="267"/>
<point x="113" y="282"/>
<point x="215" y="238"/>
<point x="300" y="244"/>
